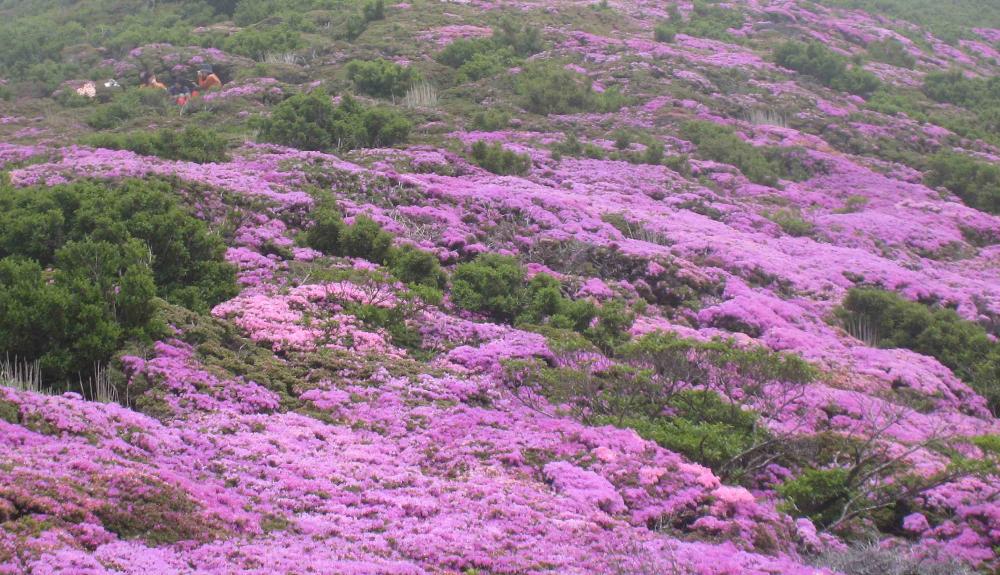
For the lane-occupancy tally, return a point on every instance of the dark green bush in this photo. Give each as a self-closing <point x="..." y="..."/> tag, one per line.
<point x="891" y="51"/>
<point x="818" y="494"/>
<point x="327" y="231"/>
<point x="258" y="43"/>
<point x="373" y="10"/>
<point x="492" y="284"/>
<point x="416" y="267"/>
<point x="490" y="120"/>
<point x="962" y="346"/>
<point x="381" y="78"/>
<point x="705" y="21"/>
<point x="791" y="222"/>
<point x="975" y="181"/>
<point x="762" y="165"/>
<point x="828" y="67"/>
<point x="548" y="88"/>
<point x="311" y="122"/>
<point x="127" y="105"/>
<point x="499" y="160"/>
<point x="367" y="240"/>
<point x="107" y="251"/>
<point x="193" y="144"/>
<point x="188" y="263"/>
<point x="79" y="315"/>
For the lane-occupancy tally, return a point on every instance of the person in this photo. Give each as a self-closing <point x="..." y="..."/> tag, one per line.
<point x="207" y="80"/>
<point x="148" y="80"/>
<point x="154" y="83"/>
<point x="180" y="92"/>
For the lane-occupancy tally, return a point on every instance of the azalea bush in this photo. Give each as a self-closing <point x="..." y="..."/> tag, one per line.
<point x="312" y="122"/>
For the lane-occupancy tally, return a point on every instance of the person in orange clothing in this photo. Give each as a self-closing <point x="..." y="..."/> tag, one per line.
<point x="150" y="81"/>
<point x="208" y="80"/>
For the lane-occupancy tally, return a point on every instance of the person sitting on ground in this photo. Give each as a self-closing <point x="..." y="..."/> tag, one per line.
<point x="180" y="92"/>
<point x="208" y="80"/>
<point x="147" y="80"/>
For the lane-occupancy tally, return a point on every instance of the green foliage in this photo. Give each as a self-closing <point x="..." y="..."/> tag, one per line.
<point x="976" y="182"/>
<point x="373" y="10"/>
<point x="492" y="284"/>
<point x="980" y="96"/>
<point x="614" y="319"/>
<point x="891" y="51"/>
<point x="127" y="105"/>
<point x="762" y="165"/>
<point x="947" y="20"/>
<point x="829" y="68"/>
<point x="962" y="346"/>
<point x="548" y="88"/>
<point x="416" y="267"/>
<point x="499" y="160"/>
<point x="791" y="222"/>
<point x="490" y="120"/>
<point x="367" y="240"/>
<point x="311" y="122"/>
<point x="479" y="58"/>
<point x="258" y="43"/>
<point x="193" y="144"/>
<point x="684" y="394"/>
<point x="381" y="78"/>
<point x="80" y="314"/>
<point x="703" y="427"/>
<point x="327" y="231"/>
<point x="819" y="494"/>
<point x="705" y="21"/>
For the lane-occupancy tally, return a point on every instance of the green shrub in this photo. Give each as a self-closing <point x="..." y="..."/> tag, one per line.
<point x="416" y="267"/>
<point x="653" y="154"/>
<point x="366" y="239"/>
<point x="523" y="38"/>
<point x="487" y="64"/>
<point x="665" y="32"/>
<point x="311" y="122"/>
<point x="381" y="78"/>
<point x="258" y="43"/>
<point x="760" y="165"/>
<point x="703" y="427"/>
<point x="373" y="10"/>
<point x="704" y="21"/>
<point x="614" y="319"/>
<point x="791" y="222"/>
<point x="126" y="106"/>
<point x="962" y="346"/>
<point x="327" y="231"/>
<point x="891" y="51"/>
<point x="976" y="182"/>
<point x="818" y="494"/>
<point x="490" y="120"/>
<point x="548" y="88"/>
<point x="193" y="144"/>
<point x="495" y="158"/>
<point x="829" y="68"/>
<point x="491" y="284"/>
<point x="544" y="301"/>
<point x="188" y="263"/>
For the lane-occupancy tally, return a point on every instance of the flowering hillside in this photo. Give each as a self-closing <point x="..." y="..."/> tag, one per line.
<point x="490" y="287"/>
